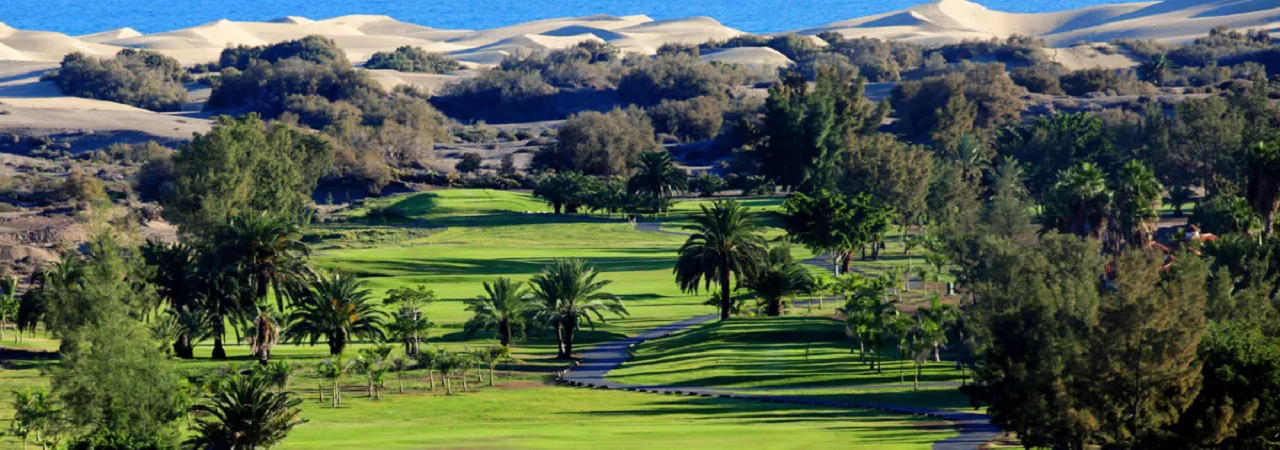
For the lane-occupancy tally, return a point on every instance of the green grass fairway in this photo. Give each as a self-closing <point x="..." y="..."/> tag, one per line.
<point x="764" y="353"/>
<point x="453" y="240"/>
<point x="550" y="417"/>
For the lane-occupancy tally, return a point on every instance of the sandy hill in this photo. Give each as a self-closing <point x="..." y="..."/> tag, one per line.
<point x="110" y="35"/>
<point x="1170" y="20"/>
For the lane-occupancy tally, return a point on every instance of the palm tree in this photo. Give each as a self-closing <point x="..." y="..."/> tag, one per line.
<point x="657" y="176"/>
<point x="971" y="158"/>
<point x="1156" y="69"/>
<point x="1078" y="202"/>
<point x="335" y="308"/>
<point x="564" y="191"/>
<point x="724" y="242"/>
<point x="777" y="277"/>
<point x="264" y="335"/>
<point x="176" y="276"/>
<point x="226" y="299"/>
<point x="192" y="326"/>
<point x="567" y="293"/>
<point x="279" y="373"/>
<point x="266" y="249"/>
<point x="502" y="309"/>
<point x="1137" y="205"/>
<point x="492" y="356"/>
<point x="1264" y="182"/>
<point x="245" y="413"/>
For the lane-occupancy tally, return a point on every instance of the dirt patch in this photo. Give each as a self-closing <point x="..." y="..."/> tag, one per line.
<point x="518" y="384"/>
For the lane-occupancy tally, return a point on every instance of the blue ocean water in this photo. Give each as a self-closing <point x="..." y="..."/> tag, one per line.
<point x="77" y="17"/>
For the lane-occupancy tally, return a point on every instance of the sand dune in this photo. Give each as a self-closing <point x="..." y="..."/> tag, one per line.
<point x="941" y="21"/>
<point x="750" y="56"/>
<point x="1170" y="20"/>
<point x="110" y="35"/>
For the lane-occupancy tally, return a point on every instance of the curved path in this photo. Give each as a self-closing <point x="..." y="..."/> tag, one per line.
<point x="975" y="429"/>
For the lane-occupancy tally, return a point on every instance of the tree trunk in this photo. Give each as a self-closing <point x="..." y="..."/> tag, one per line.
<point x="556" y="206"/>
<point x="448" y="389"/>
<point x="337" y="343"/>
<point x="464" y="381"/>
<point x="848" y="259"/>
<point x="337" y="394"/>
<point x="936" y="357"/>
<point x="218" y="351"/>
<point x="917" y="379"/>
<point x="560" y="354"/>
<point x="490" y="376"/>
<point x="569" y="328"/>
<point x="431" y="379"/>
<point x="504" y="333"/>
<point x="370" y="387"/>
<point x="775" y="307"/>
<point x="320" y="389"/>
<point x="726" y="303"/>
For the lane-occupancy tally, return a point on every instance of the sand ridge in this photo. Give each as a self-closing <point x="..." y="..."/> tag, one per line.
<point x="939" y="21"/>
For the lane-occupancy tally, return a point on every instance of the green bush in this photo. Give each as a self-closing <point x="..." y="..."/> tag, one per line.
<point x="316" y="49"/>
<point x="677" y="77"/>
<point x="1107" y="81"/>
<point x="598" y="144"/>
<point x="696" y="119"/>
<point x="412" y="59"/>
<point x="139" y="78"/>
<point x="1038" y="79"/>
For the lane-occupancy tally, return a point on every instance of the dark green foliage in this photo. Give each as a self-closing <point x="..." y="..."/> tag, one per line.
<point x="830" y="222"/>
<point x="412" y="59"/>
<point x="1079" y="202"/>
<point x="245" y="411"/>
<point x="139" y="78"/>
<point x="657" y="176"/>
<point x="470" y="163"/>
<point x="675" y="48"/>
<point x="265" y="87"/>
<point x="567" y="294"/>
<point x="696" y="119"/>
<point x="1051" y="144"/>
<point x="1039" y="79"/>
<point x="599" y="144"/>
<point x="497" y="95"/>
<point x="994" y="94"/>
<point x="315" y="49"/>
<point x="565" y="190"/>
<point x="245" y="166"/>
<point x="877" y="60"/>
<point x="778" y="276"/>
<point x="336" y="308"/>
<point x="707" y="184"/>
<point x="1016" y="50"/>
<point x="1069" y="361"/>
<point x="724" y="242"/>
<point x="676" y="77"/>
<point x="502" y="309"/>
<point x="805" y="131"/>
<point x="1106" y="81"/>
<point x="116" y="387"/>
<point x="1234" y="409"/>
<point x="1223" y="214"/>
